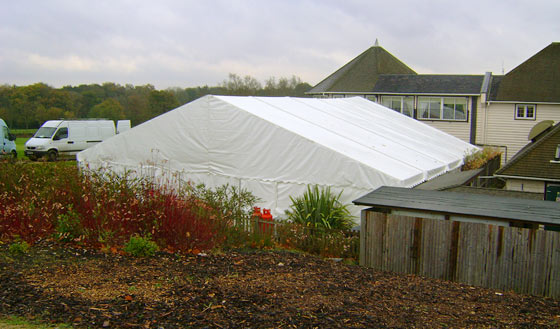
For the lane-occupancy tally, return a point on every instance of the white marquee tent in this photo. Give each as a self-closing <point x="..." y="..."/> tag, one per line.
<point x="276" y="146"/>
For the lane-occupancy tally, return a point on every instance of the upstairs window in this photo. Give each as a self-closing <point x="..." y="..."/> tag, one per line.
<point x="401" y="104"/>
<point x="525" y="111"/>
<point x="442" y="108"/>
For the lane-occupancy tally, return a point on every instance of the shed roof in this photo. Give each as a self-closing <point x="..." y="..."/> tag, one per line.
<point x="450" y="179"/>
<point x="361" y="73"/>
<point x="533" y="160"/>
<point x="464" y="204"/>
<point x="429" y="84"/>
<point x="535" y="80"/>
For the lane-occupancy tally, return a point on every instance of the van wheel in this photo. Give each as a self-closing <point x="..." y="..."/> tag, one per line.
<point x="52" y="155"/>
<point x="14" y="155"/>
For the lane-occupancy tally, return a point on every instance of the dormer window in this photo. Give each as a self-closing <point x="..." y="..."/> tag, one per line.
<point x="525" y="111"/>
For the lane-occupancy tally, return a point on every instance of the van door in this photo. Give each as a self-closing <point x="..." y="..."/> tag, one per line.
<point x="61" y="141"/>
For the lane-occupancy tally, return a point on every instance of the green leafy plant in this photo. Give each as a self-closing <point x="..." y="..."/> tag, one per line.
<point x="69" y="227"/>
<point x="319" y="208"/>
<point x="139" y="246"/>
<point x="18" y="248"/>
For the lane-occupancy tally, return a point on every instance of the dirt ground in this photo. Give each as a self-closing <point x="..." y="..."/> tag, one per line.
<point x="249" y="289"/>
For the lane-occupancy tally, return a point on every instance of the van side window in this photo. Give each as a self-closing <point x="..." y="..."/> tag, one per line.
<point x="61" y="133"/>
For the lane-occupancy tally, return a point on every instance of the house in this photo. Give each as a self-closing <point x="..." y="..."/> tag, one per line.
<point x="276" y="146"/>
<point x="486" y="109"/>
<point x="526" y="95"/>
<point x="536" y="167"/>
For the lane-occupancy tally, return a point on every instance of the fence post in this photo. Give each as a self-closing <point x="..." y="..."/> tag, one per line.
<point x="363" y="236"/>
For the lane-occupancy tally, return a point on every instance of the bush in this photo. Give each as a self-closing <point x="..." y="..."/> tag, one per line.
<point x="69" y="227"/>
<point x="139" y="246"/>
<point x="103" y="209"/>
<point x="320" y="209"/>
<point x="479" y="158"/>
<point x="18" y="248"/>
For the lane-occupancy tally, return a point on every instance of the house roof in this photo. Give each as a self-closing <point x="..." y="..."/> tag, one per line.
<point x="361" y="73"/>
<point x="429" y="84"/>
<point x="533" y="160"/>
<point x="494" y="84"/>
<point x="464" y="204"/>
<point x="535" y="80"/>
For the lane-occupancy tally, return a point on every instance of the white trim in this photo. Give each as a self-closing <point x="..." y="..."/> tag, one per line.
<point x="442" y="108"/>
<point x="388" y="93"/>
<point x="529" y="178"/>
<point x="424" y="94"/>
<point x="525" y="108"/>
<point x="340" y="92"/>
<point x="523" y="102"/>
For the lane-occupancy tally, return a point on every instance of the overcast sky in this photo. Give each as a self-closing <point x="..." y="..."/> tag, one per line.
<point x="187" y="43"/>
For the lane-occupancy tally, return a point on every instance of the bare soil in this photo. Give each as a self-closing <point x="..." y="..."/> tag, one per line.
<point x="247" y="289"/>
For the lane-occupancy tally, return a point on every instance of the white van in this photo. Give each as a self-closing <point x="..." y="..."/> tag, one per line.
<point x="7" y="144"/>
<point x="67" y="137"/>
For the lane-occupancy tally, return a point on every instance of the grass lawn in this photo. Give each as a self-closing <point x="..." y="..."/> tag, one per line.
<point x="20" y="146"/>
<point x="26" y="132"/>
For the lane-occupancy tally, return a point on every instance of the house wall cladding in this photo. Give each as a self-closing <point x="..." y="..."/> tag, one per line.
<point x="501" y="127"/>
<point x="525" y="185"/>
<point x="504" y="258"/>
<point x="459" y="129"/>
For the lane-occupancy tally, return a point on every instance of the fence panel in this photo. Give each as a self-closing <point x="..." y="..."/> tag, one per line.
<point x="505" y="258"/>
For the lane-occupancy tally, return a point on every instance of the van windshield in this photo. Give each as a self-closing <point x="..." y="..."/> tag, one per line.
<point x="44" y="132"/>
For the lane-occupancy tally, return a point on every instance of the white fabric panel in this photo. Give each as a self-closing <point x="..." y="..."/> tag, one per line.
<point x="275" y="146"/>
<point x="266" y="191"/>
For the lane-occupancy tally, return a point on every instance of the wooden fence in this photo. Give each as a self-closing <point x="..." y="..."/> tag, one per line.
<point x="506" y="258"/>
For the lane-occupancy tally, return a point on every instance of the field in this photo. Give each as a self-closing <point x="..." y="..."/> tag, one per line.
<point x="20" y="147"/>
<point x="109" y="252"/>
<point x="22" y="136"/>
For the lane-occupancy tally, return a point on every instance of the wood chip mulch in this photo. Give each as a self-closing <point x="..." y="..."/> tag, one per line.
<point x="250" y="289"/>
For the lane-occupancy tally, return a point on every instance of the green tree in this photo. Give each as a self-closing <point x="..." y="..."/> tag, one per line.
<point x="137" y="109"/>
<point x="108" y="109"/>
<point x="161" y="101"/>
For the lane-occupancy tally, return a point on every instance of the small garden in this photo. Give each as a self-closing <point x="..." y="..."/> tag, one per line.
<point x="106" y="212"/>
<point x="97" y="250"/>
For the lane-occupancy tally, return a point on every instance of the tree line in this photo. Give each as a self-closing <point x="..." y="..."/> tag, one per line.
<point x="25" y="107"/>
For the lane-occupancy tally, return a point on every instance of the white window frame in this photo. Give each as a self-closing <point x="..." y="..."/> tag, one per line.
<point x="525" y="108"/>
<point x="441" y="100"/>
<point x="402" y="100"/>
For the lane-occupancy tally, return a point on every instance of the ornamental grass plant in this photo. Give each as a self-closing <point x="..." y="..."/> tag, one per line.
<point x="320" y="208"/>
